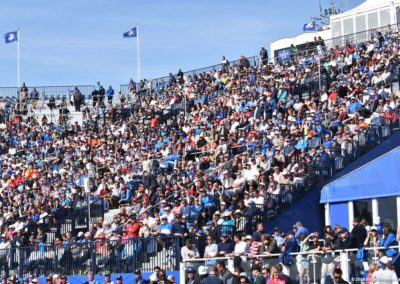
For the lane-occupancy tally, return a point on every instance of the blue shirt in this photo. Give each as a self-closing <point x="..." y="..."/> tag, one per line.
<point x="207" y="201"/>
<point x="301" y="231"/>
<point x="110" y="92"/>
<point x="353" y="107"/>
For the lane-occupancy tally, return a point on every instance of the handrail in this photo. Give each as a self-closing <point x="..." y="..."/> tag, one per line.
<point x="153" y="82"/>
<point x="340" y="41"/>
<point x="367" y="164"/>
<point x="293" y="254"/>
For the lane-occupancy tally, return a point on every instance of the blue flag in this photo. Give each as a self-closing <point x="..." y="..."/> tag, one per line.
<point x="11" y="37"/>
<point x="131" y="33"/>
<point x="309" y="26"/>
<point x="284" y="54"/>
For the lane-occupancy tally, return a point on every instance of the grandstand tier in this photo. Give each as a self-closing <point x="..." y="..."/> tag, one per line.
<point x="205" y="172"/>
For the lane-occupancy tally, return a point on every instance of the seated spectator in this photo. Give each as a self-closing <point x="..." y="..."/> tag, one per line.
<point x="189" y="251"/>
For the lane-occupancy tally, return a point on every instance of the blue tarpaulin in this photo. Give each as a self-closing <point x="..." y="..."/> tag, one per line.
<point x="379" y="178"/>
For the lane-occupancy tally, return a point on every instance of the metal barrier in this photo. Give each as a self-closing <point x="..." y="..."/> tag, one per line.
<point x="71" y="257"/>
<point x="45" y="92"/>
<point x="320" y="264"/>
<point x="156" y="84"/>
<point x="341" y="41"/>
<point x="66" y="219"/>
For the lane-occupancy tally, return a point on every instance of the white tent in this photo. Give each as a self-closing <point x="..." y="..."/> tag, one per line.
<point x="369" y="15"/>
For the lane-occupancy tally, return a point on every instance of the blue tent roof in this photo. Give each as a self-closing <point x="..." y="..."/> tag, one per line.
<point x="379" y="178"/>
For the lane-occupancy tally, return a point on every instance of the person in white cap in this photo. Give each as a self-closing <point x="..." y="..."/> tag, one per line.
<point x="386" y="273"/>
<point x="203" y="272"/>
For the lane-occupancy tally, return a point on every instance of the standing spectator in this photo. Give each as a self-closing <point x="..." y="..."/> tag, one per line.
<point x="225" y="64"/>
<point x="257" y="235"/>
<point x="77" y="97"/>
<point x="91" y="279"/>
<point x="290" y="245"/>
<point x="302" y="261"/>
<point x="211" y="249"/>
<point x="264" y="57"/>
<point x="191" y="276"/>
<point x="162" y="277"/>
<point x="225" y="275"/>
<point x="359" y="232"/>
<point x="139" y="278"/>
<point x="258" y="276"/>
<point x="372" y="268"/>
<point x="337" y="277"/>
<point x="385" y="274"/>
<point x="300" y="230"/>
<point x="203" y="273"/>
<point x="327" y="259"/>
<point x="107" y="278"/>
<point x="180" y="77"/>
<point x="268" y="245"/>
<point x="388" y="239"/>
<point x="243" y="278"/>
<point x="110" y="95"/>
<point x="276" y="277"/>
<point x="212" y="277"/>
<point x="372" y="241"/>
<point x="345" y="240"/>
<point x="244" y="62"/>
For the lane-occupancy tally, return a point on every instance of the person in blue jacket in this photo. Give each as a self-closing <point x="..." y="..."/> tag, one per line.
<point x="388" y="240"/>
<point x="126" y="196"/>
<point x="207" y="201"/>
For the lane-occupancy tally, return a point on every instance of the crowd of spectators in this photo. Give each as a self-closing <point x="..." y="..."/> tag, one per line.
<point x="250" y="140"/>
<point x="260" y="258"/>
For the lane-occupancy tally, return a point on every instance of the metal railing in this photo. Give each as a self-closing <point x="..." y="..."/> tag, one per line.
<point x="320" y="264"/>
<point x="360" y="37"/>
<point x="66" y="219"/>
<point x="77" y="256"/>
<point x="45" y="92"/>
<point x="341" y="41"/>
<point x="157" y="84"/>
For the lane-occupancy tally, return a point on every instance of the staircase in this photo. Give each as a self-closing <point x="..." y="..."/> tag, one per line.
<point x="54" y="116"/>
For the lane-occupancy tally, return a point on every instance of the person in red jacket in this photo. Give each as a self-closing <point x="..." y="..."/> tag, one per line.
<point x="133" y="227"/>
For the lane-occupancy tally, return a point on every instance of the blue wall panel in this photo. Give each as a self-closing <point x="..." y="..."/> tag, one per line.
<point x="307" y="210"/>
<point x="339" y="214"/>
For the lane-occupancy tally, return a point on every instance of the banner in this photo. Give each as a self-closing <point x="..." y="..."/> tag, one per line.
<point x="284" y="55"/>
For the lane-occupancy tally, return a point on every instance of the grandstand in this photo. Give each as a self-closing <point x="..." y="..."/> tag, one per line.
<point x="210" y="168"/>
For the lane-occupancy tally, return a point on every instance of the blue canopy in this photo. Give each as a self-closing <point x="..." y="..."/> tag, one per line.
<point x="378" y="178"/>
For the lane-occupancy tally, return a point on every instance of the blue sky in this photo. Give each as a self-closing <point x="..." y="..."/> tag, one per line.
<point x="80" y="42"/>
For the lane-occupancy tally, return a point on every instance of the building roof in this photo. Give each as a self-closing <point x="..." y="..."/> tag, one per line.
<point x="378" y="178"/>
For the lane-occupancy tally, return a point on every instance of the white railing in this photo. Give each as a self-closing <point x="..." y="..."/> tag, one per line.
<point x="345" y="259"/>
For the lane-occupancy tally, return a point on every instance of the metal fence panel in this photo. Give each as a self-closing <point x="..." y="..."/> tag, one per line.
<point x="47" y="91"/>
<point x="99" y="256"/>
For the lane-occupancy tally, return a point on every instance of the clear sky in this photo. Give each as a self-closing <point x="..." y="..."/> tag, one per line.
<point x="75" y="42"/>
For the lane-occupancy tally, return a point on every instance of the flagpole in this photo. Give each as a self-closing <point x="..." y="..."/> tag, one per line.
<point x="138" y="51"/>
<point x="18" y="75"/>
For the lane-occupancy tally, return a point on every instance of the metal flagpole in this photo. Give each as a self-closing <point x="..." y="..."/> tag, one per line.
<point x="185" y="94"/>
<point x="138" y="51"/>
<point x="18" y="81"/>
<point x="319" y="72"/>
